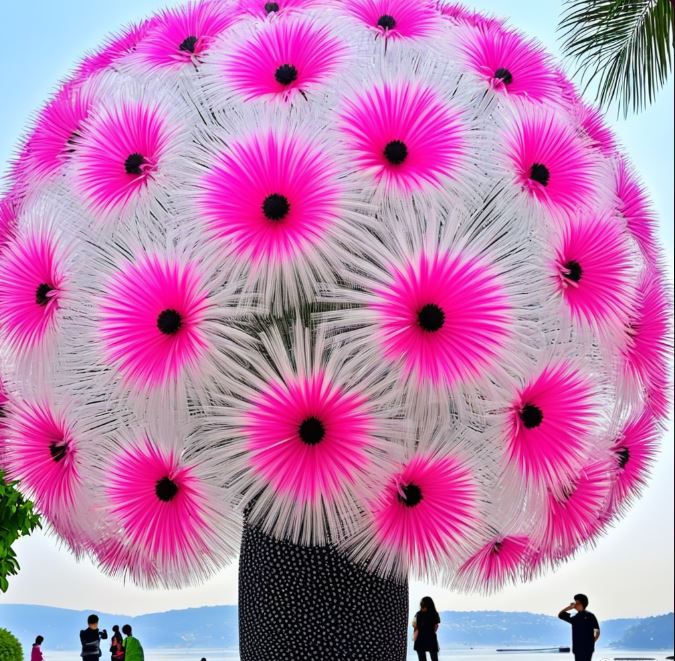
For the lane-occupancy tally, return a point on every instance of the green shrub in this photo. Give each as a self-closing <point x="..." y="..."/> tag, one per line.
<point x="10" y="647"/>
<point x="17" y="519"/>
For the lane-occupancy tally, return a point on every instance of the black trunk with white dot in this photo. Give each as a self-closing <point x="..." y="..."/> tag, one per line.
<point x="309" y="603"/>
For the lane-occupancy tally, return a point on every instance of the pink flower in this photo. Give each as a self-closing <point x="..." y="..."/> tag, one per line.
<point x="550" y="423"/>
<point x="495" y="564"/>
<point x="115" y="47"/>
<point x="184" y="35"/>
<point x="31" y="286"/>
<point x="284" y="58"/>
<point x="8" y="212"/>
<point x="593" y="271"/>
<point x="549" y="161"/>
<point x="120" y="153"/>
<point x="427" y="512"/>
<point x="115" y="555"/>
<point x="152" y="318"/>
<point x="404" y="135"/>
<point x="167" y="512"/>
<point x="592" y="123"/>
<point x="573" y="510"/>
<point x="633" y="205"/>
<point x="446" y="316"/>
<point x="262" y="8"/>
<point x="568" y="91"/>
<point x="658" y="391"/>
<point x="305" y="433"/>
<point x="270" y="196"/>
<point x="44" y="454"/>
<point x="634" y="450"/>
<point x="58" y="128"/>
<point x="459" y="14"/>
<point x="509" y="64"/>
<point x="395" y="19"/>
<point x="307" y="437"/>
<point x="648" y="333"/>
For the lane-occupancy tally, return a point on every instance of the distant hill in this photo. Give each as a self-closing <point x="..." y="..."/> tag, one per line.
<point x="216" y="627"/>
<point x="651" y="633"/>
<point x="206" y="627"/>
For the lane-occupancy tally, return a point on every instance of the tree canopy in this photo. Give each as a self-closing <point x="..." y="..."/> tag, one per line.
<point x="624" y="48"/>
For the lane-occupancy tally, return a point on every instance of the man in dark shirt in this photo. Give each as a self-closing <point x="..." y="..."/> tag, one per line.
<point x="90" y="639"/>
<point x="585" y="628"/>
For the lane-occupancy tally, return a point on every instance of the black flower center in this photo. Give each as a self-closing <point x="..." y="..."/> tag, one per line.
<point x="623" y="455"/>
<point x="497" y="547"/>
<point x="386" y="22"/>
<point x="58" y="451"/>
<point x="504" y="75"/>
<point x="286" y="74"/>
<point x="271" y="6"/>
<point x="531" y="416"/>
<point x="188" y="44"/>
<point x="431" y="318"/>
<point x="276" y="207"/>
<point x="166" y="489"/>
<point x="396" y="152"/>
<point x="133" y="163"/>
<point x="411" y="496"/>
<point x="311" y="430"/>
<point x="41" y="293"/>
<point x="573" y="270"/>
<point x="169" y="321"/>
<point x="540" y="173"/>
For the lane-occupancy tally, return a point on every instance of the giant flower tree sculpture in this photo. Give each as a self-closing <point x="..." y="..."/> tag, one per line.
<point x="364" y="281"/>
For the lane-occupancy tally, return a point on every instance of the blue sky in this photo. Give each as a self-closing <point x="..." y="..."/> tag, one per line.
<point x="631" y="570"/>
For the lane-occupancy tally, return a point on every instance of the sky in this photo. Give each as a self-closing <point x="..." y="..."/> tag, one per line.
<point x="629" y="573"/>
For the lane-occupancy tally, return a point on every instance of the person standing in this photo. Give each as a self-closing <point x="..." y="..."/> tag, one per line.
<point x="116" y="645"/>
<point x="36" y="652"/>
<point x="91" y="639"/>
<point x="585" y="628"/>
<point x="425" y="626"/>
<point x="133" y="650"/>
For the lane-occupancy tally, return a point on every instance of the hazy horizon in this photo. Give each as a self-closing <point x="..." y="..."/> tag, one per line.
<point x="630" y="571"/>
<point x="234" y="605"/>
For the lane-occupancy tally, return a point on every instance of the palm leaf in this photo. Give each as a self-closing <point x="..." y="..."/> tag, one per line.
<point x="624" y="48"/>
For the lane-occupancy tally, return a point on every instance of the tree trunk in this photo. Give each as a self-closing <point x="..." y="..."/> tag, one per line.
<point x="308" y="603"/>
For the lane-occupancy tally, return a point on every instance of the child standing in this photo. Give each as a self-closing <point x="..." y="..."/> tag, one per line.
<point x="36" y="652"/>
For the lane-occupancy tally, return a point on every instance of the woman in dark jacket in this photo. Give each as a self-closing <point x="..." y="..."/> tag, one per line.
<point x="425" y="626"/>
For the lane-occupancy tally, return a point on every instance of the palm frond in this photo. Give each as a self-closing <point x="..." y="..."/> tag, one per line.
<point x="623" y="48"/>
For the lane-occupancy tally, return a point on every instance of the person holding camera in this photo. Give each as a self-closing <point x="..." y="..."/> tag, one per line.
<point x="585" y="628"/>
<point x="91" y="639"/>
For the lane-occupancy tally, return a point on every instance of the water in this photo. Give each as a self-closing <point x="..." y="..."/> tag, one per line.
<point x="449" y="655"/>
